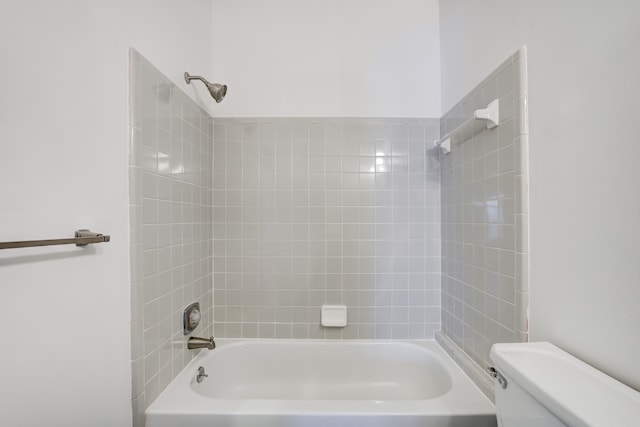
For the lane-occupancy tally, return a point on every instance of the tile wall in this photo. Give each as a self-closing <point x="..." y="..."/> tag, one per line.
<point x="485" y="229"/>
<point x="170" y="175"/>
<point x="326" y="211"/>
<point x="288" y="214"/>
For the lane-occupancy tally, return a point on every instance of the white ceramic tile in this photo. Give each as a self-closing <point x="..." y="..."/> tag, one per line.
<point x="486" y="185"/>
<point x="161" y="206"/>
<point x="326" y="227"/>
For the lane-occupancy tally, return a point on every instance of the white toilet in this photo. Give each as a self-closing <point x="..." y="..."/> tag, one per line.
<point x="539" y="385"/>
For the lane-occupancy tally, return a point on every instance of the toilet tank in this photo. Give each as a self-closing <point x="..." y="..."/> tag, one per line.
<point x="541" y="385"/>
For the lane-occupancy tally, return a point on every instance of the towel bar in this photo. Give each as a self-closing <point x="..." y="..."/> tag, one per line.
<point x="82" y="238"/>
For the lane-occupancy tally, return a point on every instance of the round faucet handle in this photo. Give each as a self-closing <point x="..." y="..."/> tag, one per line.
<point x="194" y="318"/>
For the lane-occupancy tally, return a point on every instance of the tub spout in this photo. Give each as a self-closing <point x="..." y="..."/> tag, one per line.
<point x="197" y="342"/>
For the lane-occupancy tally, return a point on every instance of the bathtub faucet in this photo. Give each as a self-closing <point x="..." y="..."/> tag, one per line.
<point x="196" y="342"/>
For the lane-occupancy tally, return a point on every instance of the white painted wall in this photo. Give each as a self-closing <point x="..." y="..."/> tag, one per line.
<point x="585" y="193"/>
<point x="64" y="312"/>
<point x="356" y="58"/>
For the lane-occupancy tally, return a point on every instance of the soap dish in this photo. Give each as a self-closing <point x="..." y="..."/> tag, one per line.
<point x="334" y="316"/>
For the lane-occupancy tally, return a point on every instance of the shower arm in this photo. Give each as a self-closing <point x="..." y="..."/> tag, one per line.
<point x="188" y="78"/>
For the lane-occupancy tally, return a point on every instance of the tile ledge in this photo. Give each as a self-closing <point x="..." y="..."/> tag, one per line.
<point x="474" y="371"/>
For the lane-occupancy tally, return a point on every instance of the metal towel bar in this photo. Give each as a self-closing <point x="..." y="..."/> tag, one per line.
<point x="82" y="238"/>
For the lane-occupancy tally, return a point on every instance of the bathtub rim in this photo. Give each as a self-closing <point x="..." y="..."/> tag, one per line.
<point x="463" y="399"/>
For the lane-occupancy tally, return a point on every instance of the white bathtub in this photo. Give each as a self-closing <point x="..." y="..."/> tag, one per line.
<point x="296" y="383"/>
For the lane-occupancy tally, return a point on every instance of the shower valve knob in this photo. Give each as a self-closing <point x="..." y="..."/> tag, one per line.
<point x="191" y="317"/>
<point x="194" y="318"/>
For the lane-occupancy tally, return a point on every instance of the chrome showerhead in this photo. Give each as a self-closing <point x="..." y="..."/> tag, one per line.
<point x="216" y="90"/>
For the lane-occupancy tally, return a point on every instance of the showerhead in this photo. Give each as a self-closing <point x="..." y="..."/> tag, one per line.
<point x="216" y="90"/>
